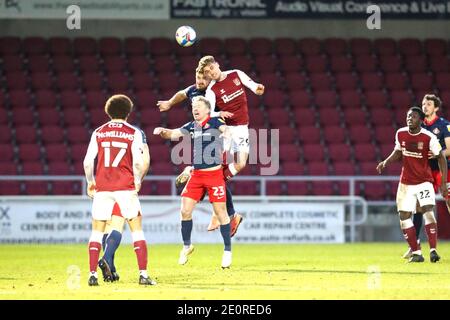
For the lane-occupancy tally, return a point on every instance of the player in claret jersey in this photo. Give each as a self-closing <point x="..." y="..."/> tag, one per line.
<point x="226" y="93"/>
<point x="413" y="144"/>
<point x="119" y="148"/>
<point x="440" y="127"/>
<point x="195" y="90"/>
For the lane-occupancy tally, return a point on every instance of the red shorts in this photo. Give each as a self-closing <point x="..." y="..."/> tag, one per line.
<point x="437" y="179"/>
<point x="116" y="211"/>
<point x="202" y="181"/>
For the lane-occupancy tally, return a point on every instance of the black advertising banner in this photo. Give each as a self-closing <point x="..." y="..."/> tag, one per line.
<point x="276" y="9"/>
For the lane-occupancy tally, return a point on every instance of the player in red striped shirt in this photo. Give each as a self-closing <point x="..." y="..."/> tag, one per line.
<point x="412" y="145"/>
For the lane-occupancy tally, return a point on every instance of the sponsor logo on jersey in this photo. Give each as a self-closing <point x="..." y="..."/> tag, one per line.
<point x="222" y="91"/>
<point x="115" y="125"/>
<point x="436" y="131"/>
<point x="420" y="146"/>
<point x="448" y="128"/>
<point x="412" y="154"/>
<point x="236" y="81"/>
<point x="227" y="98"/>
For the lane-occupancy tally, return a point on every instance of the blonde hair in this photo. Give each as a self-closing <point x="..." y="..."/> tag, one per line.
<point x="202" y="99"/>
<point x="204" y="61"/>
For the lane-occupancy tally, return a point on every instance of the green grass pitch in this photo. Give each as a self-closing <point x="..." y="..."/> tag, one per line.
<point x="347" y="271"/>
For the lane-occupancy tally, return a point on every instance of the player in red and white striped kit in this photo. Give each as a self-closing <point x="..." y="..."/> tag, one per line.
<point x="228" y="99"/>
<point x="412" y="145"/>
<point x="119" y="148"/>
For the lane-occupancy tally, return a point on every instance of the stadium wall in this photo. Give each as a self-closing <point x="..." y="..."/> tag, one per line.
<point x="229" y="28"/>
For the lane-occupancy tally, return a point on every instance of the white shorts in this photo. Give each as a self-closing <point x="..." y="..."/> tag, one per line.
<point x="239" y="141"/>
<point x="408" y="195"/>
<point x="104" y="201"/>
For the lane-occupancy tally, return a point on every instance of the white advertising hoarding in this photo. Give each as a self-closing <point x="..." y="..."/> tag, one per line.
<point x="90" y="9"/>
<point x="68" y="220"/>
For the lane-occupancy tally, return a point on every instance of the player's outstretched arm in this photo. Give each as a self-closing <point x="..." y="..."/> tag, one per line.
<point x="168" y="133"/>
<point x="257" y="88"/>
<point x="165" y="105"/>
<point x="88" y="165"/>
<point x="146" y="158"/>
<point x="396" y="155"/>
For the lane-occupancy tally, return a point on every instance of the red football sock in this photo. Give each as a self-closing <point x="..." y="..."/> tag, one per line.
<point x="431" y="230"/>
<point x="140" y="248"/>
<point x="410" y="237"/>
<point x="94" y="252"/>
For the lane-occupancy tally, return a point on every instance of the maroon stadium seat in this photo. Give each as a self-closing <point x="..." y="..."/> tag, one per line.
<point x="274" y="188"/>
<point x="22" y="116"/>
<point x="391" y="63"/>
<point x="335" y="46"/>
<point x="97" y="117"/>
<point x="65" y="187"/>
<point x="322" y="188"/>
<point x="334" y="134"/>
<point x="70" y="100"/>
<point x="396" y="81"/>
<point x="10" y="187"/>
<point x="32" y="168"/>
<point x="443" y="81"/>
<point x="59" y="168"/>
<point x="266" y="64"/>
<point x="295" y="188"/>
<point x="52" y="134"/>
<point x="381" y="116"/>
<point x="60" y="46"/>
<point x="326" y="99"/>
<point x="385" y="134"/>
<point x="117" y="82"/>
<point x="274" y="99"/>
<point x="300" y="99"/>
<point x="435" y="47"/>
<point x="401" y="99"/>
<point x="25" y="134"/>
<point x="5" y="135"/>
<point x="350" y="99"/>
<point x="10" y="45"/>
<point x="147" y="98"/>
<point x="346" y="81"/>
<point x="17" y="81"/>
<point x="45" y="98"/>
<point x="187" y="64"/>
<point x="394" y="169"/>
<point x="309" y="134"/>
<point x="416" y="64"/>
<point x="364" y="152"/>
<point x="316" y="64"/>
<point x="38" y="64"/>
<point x="135" y="46"/>
<point x="341" y="64"/>
<point x="289" y="152"/>
<point x="375" y="190"/>
<point x="242" y="63"/>
<point x="29" y="152"/>
<point x="422" y="81"/>
<point x="162" y="168"/>
<point x="89" y="64"/>
<point x="320" y="81"/>
<point x="114" y="64"/>
<point x="12" y="64"/>
<point x="110" y="46"/>
<point x="368" y="168"/>
<point x="7" y="150"/>
<point x="410" y="47"/>
<point x="211" y="46"/>
<point x="295" y="81"/>
<point x="285" y="47"/>
<point x="318" y="168"/>
<point x="360" y="133"/>
<point x="385" y="46"/>
<point x="36" y="187"/>
<point x="366" y="63"/>
<point x="77" y="134"/>
<point x="271" y="81"/>
<point x="92" y="81"/>
<point x="313" y="153"/>
<point x="160" y="46"/>
<point x="55" y="152"/>
<point x="235" y="46"/>
<point x="287" y="134"/>
<point x="256" y="117"/>
<point x="371" y="81"/>
<point x="339" y="152"/>
<point x="310" y="46"/>
<point x="8" y="168"/>
<point x="168" y="81"/>
<point x="291" y="64"/>
<point x="67" y="81"/>
<point x="344" y="168"/>
<point x="249" y="188"/>
<point x="278" y="117"/>
<point x="387" y="148"/>
<point x="41" y="81"/>
<point x="354" y="116"/>
<point x="293" y="168"/>
<point x="3" y="117"/>
<point x="95" y="99"/>
<point x="175" y="119"/>
<point x="260" y="46"/>
<point x="162" y="151"/>
<point x="77" y="153"/>
<point x="85" y="46"/>
<point x="329" y="116"/>
<point x="142" y="81"/>
<point x="49" y="116"/>
<point x="376" y="99"/>
<point x="164" y="65"/>
<point x="360" y="46"/>
<point x="138" y="64"/>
